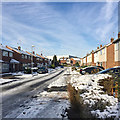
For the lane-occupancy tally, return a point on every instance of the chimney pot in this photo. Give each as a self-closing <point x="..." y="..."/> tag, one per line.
<point x="100" y="46"/>
<point x="119" y="35"/>
<point x="19" y="48"/>
<point x="33" y="52"/>
<point x="112" y="39"/>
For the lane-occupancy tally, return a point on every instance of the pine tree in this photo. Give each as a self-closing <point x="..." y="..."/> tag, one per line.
<point x="55" y="61"/>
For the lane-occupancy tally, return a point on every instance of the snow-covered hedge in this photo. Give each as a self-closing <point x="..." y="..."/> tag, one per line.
<point x="100" y="104"/>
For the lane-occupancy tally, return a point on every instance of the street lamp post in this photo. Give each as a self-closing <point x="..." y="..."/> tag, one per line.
<point x="32" y="60"/>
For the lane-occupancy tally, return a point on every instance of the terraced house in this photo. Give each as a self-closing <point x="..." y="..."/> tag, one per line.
<point x="117" y="50"/>
<point x="7" y="63"/>
<point x="100" y="56"/>
<point x="107" y="56"/>
<point x="90" y="58"/>
<point x="21" y="56"/>
<point x="15" y="59"/>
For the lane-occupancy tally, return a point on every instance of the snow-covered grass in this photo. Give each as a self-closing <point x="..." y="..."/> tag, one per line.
<point x="93" y="95"/>
<point x="59" y="82"/>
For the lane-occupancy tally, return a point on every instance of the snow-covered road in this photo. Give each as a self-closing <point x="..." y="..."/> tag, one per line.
<point x="17" y="94"/>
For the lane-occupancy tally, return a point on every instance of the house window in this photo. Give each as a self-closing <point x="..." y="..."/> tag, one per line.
<point x="10" y="54"/>
<point x="40" y="59"/>
<point x="22" y="56"/>
<point x="117" y="46"/>
<point x="5" y="66"/>
<point x="104" y="51"/>
<point x="29" y="57"/>
<point x="37" y="58"/>
<point x="5" y="53"/>
<point x="25" y="56"/>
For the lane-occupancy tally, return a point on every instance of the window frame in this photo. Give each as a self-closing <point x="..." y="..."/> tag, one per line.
<point x="4" y="53"/>
<point x="10" y="54"/>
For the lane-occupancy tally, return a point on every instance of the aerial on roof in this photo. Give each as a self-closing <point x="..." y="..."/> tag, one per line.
<point x="4" y="48"/>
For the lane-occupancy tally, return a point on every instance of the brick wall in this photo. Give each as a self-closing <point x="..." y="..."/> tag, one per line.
<point x="110" y="56"/>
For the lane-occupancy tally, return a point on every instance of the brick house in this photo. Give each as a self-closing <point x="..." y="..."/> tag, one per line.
<point x="21" y="56"/>
<point x="90" y="59"/>
<point x="96" y="57"/>
<point x="117" y="50"/>
<point x="110" y="54"/>
<point x="63" y="60"/>
<point x="6" y="59"/>
<point x="100" y="56"/>
<point x="84" y="61"/>
<point x="45" y="61"/>
<point x="75" y="60"/>
<point x="36" y="60"/>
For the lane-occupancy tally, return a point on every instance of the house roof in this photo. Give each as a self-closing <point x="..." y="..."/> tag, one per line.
<point x="30" y="53"/>
<point x="4" y="48"/>
<point x="35" y="55"/>
<point x="77" y="59"/>
<point x="116" y="40"/>
<point x="20" y="51"/>
<point x="40" y="56"/>
<point x="16" y="50"/>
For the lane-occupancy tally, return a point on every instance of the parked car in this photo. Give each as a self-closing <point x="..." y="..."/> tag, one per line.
<point x="62" y="66"/>
<point x="42" y="70"/>
<point x="101" y="67"/>
<point x="114" y="71"/>
<point x="28" y="70"/>
<point x="90" y="70"/>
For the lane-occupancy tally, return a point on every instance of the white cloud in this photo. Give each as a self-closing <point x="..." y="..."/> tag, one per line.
<point x="54" y="32"/>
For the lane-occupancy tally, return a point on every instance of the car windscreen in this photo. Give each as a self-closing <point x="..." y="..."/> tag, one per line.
<point x="105" y="71"/>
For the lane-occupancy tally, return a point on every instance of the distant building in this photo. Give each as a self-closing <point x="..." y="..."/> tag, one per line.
<point x="75" y="60"/>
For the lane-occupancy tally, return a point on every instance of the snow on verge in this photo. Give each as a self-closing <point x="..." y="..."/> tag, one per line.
<point x="58" y="83"/>
<point x="92" y="94"/>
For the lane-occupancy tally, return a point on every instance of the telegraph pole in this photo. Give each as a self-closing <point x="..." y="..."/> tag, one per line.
<point x="32" y="60"/>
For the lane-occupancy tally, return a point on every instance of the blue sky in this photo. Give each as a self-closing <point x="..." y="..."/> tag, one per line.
<point x="59" y="28"/>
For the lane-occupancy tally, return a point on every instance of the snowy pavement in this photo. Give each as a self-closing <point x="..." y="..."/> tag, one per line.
<point x="35" y="103"/>
<point x="48" y="104"/>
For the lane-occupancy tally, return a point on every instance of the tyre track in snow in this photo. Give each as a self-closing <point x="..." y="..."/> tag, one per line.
<point x="14" y="98"/>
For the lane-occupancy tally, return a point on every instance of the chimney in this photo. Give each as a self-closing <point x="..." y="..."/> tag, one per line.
<point x="97" y="47"/>
<point x="19" y="48"/>
<point x="92" y="51"/>
<point x="41" y="54"/>
<point x="119" y="35"/>
<point x="33" y="52"/>
<point x="112" y="39"/>
<point x="100" y="46"/>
